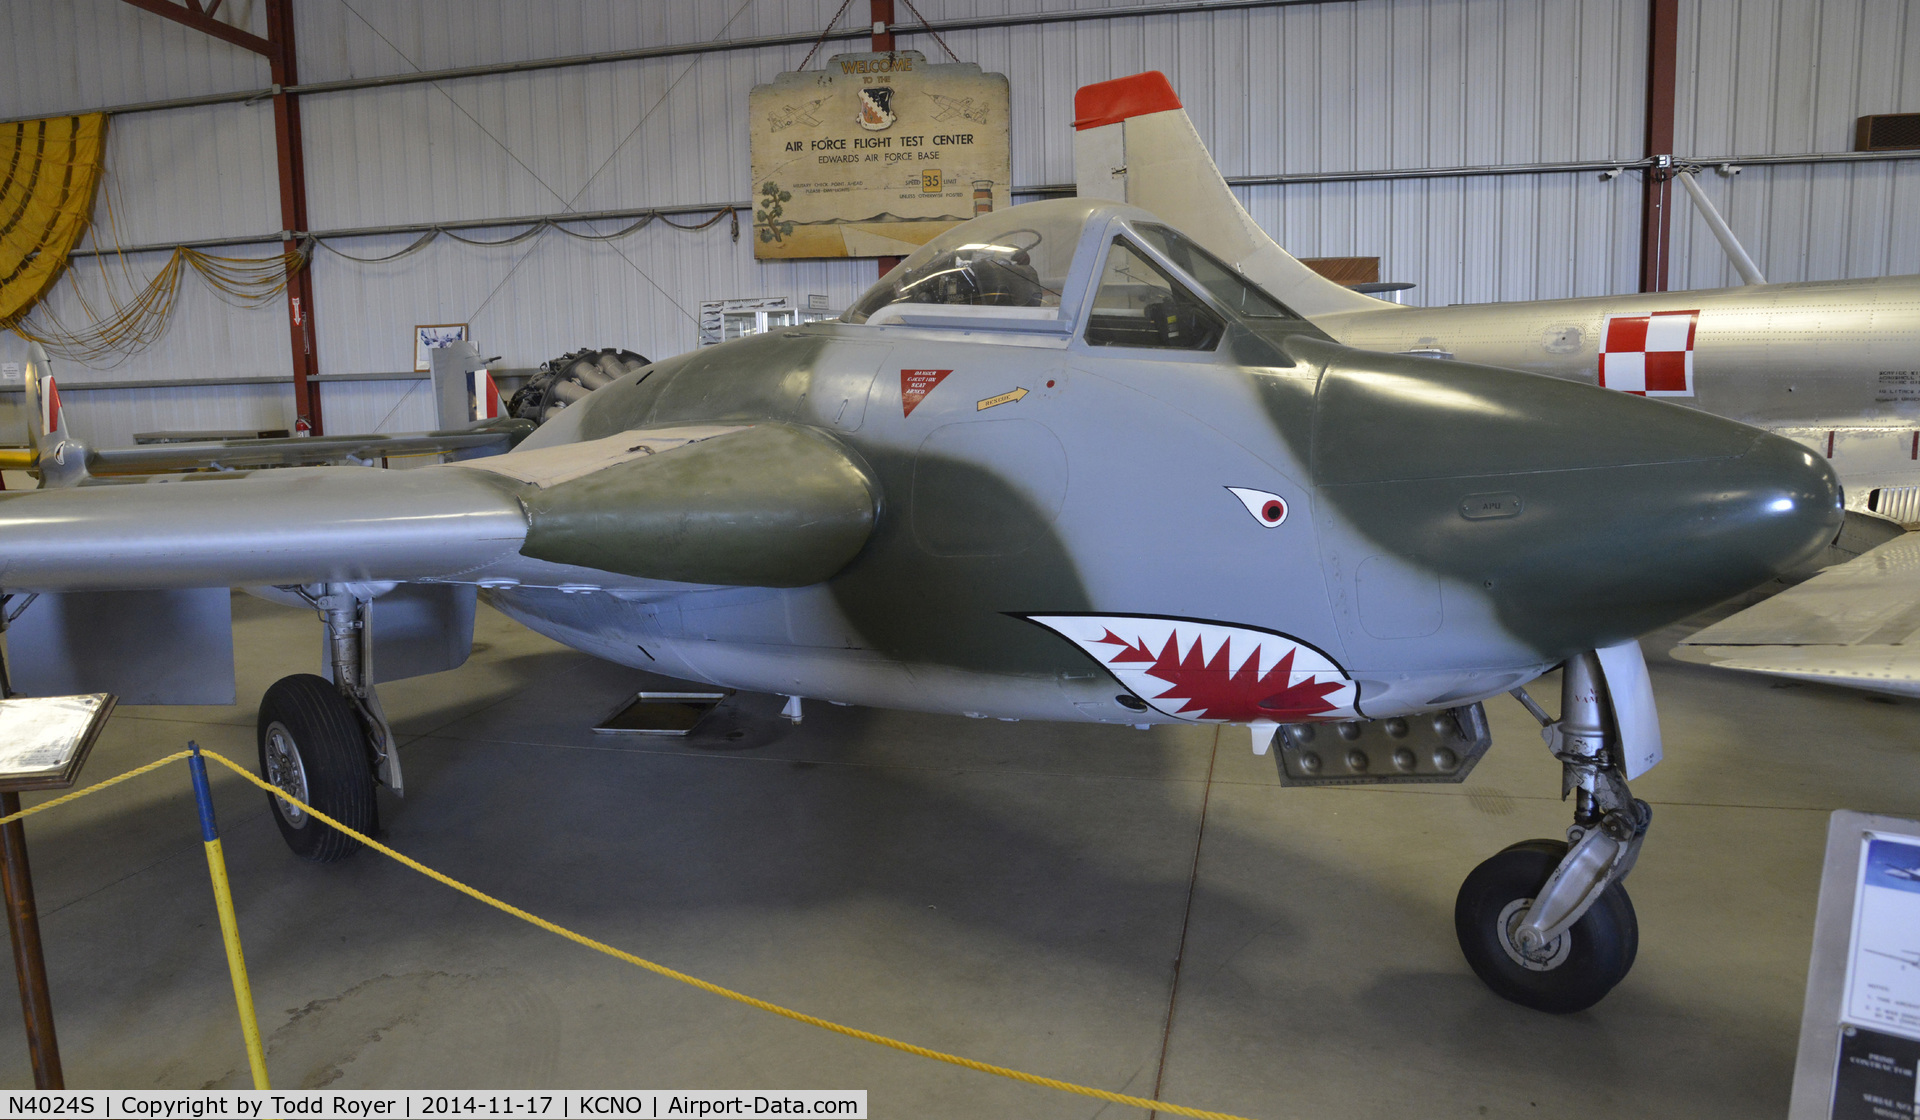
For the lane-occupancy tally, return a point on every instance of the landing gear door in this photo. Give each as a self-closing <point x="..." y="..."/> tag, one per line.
<point x="145" y="647"/>
<point x="1631" y="691"/>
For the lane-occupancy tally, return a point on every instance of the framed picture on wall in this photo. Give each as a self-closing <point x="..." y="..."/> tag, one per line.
<point x="432" y="336"/>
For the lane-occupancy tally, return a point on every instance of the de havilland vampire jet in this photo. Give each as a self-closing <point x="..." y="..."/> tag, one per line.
<point x="1834" y="365"/>
<point x="1063" y="463"/>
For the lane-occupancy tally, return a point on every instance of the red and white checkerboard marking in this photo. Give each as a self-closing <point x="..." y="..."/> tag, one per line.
<point x="1649" y="355"/>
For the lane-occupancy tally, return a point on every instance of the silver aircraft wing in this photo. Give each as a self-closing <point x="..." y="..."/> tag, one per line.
<point x="302" y="525"/>
<point x="768" y="505"/>
<point x="490" y="438"/>
<point x="1855" y="624"/>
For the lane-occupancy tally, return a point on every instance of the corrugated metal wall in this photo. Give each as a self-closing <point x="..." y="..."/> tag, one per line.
<point x="1329" y="87"/>
<point x="1765" y="76"/>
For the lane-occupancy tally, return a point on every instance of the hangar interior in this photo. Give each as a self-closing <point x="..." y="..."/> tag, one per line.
<point x="1142" y="910"/>
<point x="1350" y="106"/>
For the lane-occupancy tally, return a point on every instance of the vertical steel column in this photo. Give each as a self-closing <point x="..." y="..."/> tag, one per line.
<point x="29" y="965"/>
<point x="293" y="216"/>
<point x="1656" y="203"/>
<point x="882" y="11"/>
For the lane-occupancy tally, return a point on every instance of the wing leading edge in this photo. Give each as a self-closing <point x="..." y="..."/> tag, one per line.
<point x="1855" y="624"/>
<point x="755" y="505"/>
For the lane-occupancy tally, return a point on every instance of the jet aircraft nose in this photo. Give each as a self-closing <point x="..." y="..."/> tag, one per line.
<point x="1586" y="516"/>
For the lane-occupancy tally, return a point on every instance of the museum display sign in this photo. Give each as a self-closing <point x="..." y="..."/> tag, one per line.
<point x="875" y="155"/>
<point x="1860" y="1032"/>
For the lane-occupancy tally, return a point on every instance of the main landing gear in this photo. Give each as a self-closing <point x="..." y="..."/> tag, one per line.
<point x="326" y="743"/>
<point x="1548" y="924"/>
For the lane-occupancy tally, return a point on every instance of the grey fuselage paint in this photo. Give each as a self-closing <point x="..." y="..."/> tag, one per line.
<point x="1109" y="496"/>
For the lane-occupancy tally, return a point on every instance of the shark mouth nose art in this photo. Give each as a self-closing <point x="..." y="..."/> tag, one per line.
<point x="1212" y="672"/>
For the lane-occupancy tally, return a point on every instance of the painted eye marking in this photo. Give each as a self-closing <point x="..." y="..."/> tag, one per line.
<point x="1268" y="509"/>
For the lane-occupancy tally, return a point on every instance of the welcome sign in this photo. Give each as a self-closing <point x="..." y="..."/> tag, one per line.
<point x="875" y="155"/>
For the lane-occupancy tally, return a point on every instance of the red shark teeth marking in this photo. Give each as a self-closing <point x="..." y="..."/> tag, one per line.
<point x="1215" y="672"/>
<point x="1211" y="692"/>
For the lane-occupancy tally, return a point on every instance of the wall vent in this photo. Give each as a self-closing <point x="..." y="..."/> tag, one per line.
<point x="1887" y="132"/>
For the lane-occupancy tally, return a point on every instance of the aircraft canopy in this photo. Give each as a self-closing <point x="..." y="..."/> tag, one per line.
<point x="1019" y="257"/>
<point x="1027" y="261"/>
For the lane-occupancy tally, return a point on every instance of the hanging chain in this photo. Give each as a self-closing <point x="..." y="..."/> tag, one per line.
<point x="823" y="33"/>
<point x="931" y="31"/>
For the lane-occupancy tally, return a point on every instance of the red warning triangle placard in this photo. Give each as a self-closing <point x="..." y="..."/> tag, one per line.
<point x="915" y="384"/>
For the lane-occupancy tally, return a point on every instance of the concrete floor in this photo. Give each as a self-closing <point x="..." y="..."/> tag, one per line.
<point x="1015" y="892"/>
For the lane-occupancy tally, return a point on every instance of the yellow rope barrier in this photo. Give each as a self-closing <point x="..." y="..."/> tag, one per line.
<point x="651" y="966"/>
<point x="98" y="786"/>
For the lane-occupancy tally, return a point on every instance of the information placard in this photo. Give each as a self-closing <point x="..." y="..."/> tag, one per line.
<point x="44" y="740"/>
<point x="1860" y="1034"/>
<point x="875" y="155"/>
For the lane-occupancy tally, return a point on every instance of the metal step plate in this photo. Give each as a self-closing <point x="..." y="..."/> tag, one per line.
<point x="660" y="713"/>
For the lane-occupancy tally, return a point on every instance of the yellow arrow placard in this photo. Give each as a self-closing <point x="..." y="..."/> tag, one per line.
<point x="1003" y="398"/>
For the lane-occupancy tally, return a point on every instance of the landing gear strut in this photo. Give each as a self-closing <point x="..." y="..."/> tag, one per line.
<point x="326" y="743"/>
<point x="1548" y="924"/>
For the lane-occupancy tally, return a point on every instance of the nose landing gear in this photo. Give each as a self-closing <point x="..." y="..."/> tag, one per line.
<point x="1548" y="924"/>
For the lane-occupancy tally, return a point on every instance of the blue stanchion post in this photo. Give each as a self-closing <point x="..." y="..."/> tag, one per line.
<point x="229" y="925"/>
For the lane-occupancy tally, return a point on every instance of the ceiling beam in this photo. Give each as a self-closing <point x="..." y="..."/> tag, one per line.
<point x="203" y="22"/>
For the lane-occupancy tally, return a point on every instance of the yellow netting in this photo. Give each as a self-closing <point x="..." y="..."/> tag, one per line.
<point x="49" y="173"/>
<point x="49" y="170"/>
<point x="131" y="324"/>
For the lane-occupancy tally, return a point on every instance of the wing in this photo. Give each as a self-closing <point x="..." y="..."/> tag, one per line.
<point x="48" y="435"/>
<point x="1855" y="624"/>
<point x="771" y="505"/>
<point x="490" y="438"/>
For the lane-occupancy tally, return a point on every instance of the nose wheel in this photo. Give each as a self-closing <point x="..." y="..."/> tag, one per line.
<point x="1570" y="972"/>
<point x="1548" y="924"/>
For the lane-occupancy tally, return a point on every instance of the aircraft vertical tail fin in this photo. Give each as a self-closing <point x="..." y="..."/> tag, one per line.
<point x="1133" y="143"/>
<point x="53" y="422"/>
<point x="42" y="399"/>
<point x="58" y="457"/>
<point x="485" y="395"/>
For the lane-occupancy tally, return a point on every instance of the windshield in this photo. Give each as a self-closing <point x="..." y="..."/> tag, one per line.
<point x="1223" y="283"/>
<point x="1014" y="258"/>
<point x="1138" y="304"/>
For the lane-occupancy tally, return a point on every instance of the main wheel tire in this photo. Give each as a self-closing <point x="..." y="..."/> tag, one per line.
<point x="313" y="746"/>
<point x="1574" y="971"/>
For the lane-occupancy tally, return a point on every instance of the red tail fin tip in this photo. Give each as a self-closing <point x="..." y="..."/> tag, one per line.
<point x="1115" y="101"/>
